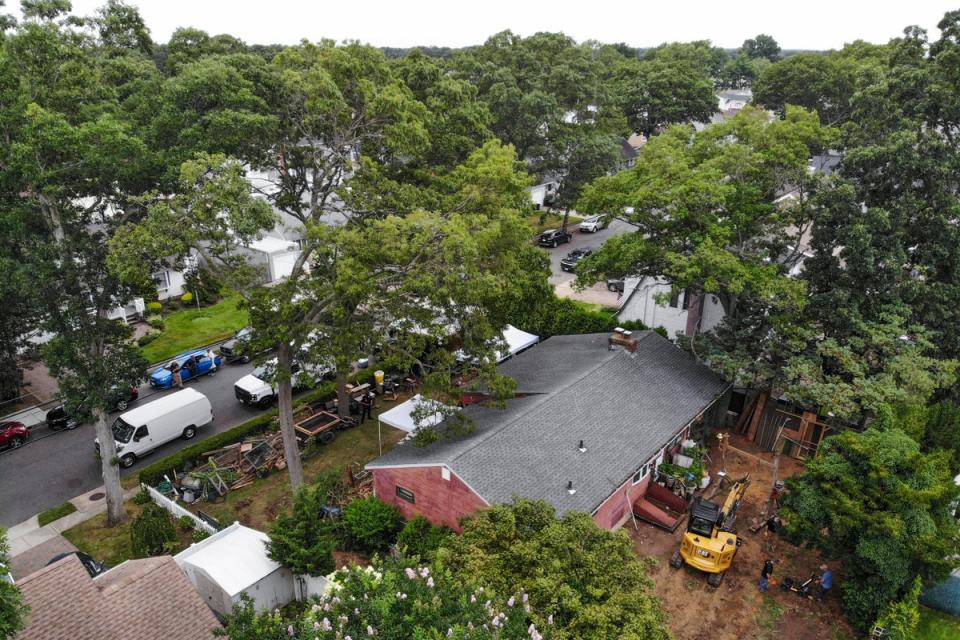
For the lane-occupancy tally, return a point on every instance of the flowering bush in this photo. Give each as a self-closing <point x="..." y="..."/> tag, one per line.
<point x="397" y="601"/>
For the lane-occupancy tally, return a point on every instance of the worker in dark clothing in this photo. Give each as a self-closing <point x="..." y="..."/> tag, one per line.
<point x="366" y="407"/>
<point x="825" y="583"/>
<point x="765" y="574"/>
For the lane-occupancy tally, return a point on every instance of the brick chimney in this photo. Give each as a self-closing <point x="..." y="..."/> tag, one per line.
<point x="622" y="338"/>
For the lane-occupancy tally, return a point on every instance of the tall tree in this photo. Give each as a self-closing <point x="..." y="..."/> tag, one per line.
<point x="762" y="46"/>
<point x="75" y="168"/>
<point x="883" y="508"/>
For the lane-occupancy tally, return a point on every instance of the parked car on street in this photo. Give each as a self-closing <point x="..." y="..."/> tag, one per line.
<point x="615" y="285"/>
<point x="141" y="430"/>
<point x="93" y="567"/>
<point x="254" y="389"/>
<point x="239" y="348"/>
<point x="62" y="417"/>
<point x="193" y="364"/>
<point x="593" y="224"/>
<point x="573" y="258"/>
<point x="553" y="237"/>
<point x="13" y="435"/>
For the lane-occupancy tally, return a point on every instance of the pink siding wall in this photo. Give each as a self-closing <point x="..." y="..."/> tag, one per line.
<point x="438" y="500"/>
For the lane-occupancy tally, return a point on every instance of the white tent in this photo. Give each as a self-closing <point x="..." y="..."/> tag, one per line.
<point x="517" y="341"/>
<point x="401" y="416"/>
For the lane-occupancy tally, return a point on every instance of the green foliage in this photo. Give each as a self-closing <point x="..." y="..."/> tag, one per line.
<point x="152" y="531"/>
<point x="141" y="497"/>
<point x="371" y="524"/>
<point x="186" y="298"/>
<point x="186" y="523"/>
<point x="421" y="539"/>
<point x="148" y="337"/>
<point x="553" y="316"/>
<point x="884" y="508"/>
<point x="588" y="579"/>
<point x="155" y="307"/>
<point x="56" y="513"/>
<point x="304" y="539"/>
<point x="13" y="611"/>
<point x="156" y="322"/>
<point x="902" y="617"/>
<point x="398" y="600"/>
<point x="199" y="534"/>
<point x="204" y="284"/>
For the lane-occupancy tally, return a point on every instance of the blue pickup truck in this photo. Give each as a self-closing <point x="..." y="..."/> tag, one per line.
<point x="192" y="365"/>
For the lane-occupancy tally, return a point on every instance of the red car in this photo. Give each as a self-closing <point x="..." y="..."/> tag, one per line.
<point x="13" y="434"/>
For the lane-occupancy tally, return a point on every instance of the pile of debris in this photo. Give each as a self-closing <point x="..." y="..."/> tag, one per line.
<point x="234" y="466"/>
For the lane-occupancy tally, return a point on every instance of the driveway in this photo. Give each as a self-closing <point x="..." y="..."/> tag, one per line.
<point x="55" y="466"/>
<point x="581" y="240"/>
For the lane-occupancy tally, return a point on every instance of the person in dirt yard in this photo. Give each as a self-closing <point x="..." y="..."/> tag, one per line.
<point x="825" y="583"/>
<point x="765" y="574"/>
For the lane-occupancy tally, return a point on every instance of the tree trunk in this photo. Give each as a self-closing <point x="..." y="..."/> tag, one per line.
<point x="566" y="218"/>
<point x="343" y="398"/>
<point x="285" y="401"/>
<point x="109" y="469"/>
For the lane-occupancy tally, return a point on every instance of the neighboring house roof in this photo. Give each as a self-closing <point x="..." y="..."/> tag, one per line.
<point x="148" y="599"/>
<point x="623" y="406"/>
<point x="637" y="140"/>
<point x="271" y="245"/>
<point x="235" y="558"/>
<point x="627" y="151"/>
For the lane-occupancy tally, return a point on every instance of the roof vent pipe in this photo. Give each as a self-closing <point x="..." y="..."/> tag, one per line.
<point x="570" y="488"/>
<point x="582" y="448"/>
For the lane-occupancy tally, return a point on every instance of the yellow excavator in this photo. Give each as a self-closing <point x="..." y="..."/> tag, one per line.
<point x="710" y="541"/>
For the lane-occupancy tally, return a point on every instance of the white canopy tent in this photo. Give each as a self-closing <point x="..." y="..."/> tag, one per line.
<point x="401" y="416"/>
<point x="517" y="341"/>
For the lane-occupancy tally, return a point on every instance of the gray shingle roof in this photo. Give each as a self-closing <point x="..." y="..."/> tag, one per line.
<point x="624" y="407"/>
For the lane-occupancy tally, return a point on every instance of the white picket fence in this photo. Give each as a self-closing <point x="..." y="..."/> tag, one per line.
<point x="176" y="509"/>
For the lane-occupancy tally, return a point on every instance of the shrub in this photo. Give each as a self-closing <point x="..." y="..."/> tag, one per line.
<point x="142" y="497"/>
<point x="200" y="534"/>
<point x="156" y="322"/>
<point x="186" y="298"/>
<point x="303" y="540"/>
<point x="203" y="284"/>
<point x="186" y="523"/>
<point x="151" y="531"/>
<point x="155" y="307"/>
<point x="420" y="538"/>
<point x="371" y="524"/>
<point x="560" y="316"/>
<point x="148" y="337"/>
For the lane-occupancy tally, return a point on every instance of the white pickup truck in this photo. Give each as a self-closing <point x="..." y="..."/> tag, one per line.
<point x="254" y="390"/>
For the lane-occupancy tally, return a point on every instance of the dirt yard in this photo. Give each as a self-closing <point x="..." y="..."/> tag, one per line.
<point x="737" y="610"/>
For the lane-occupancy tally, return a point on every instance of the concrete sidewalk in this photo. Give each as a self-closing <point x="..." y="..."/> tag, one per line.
<point x="29" y="534"/>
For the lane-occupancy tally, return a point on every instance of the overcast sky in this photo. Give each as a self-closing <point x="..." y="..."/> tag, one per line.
<point x="809" y="24"/>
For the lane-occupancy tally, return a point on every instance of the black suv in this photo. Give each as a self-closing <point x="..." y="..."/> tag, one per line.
<point x="573" y="259"/>
<point x="553" y="237"/>
<point x="237" y="348"/>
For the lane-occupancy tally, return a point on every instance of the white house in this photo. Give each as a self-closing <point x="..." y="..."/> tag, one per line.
<point x="275" y="255"/>
<point x="544" y="193"/>
<point x="232" y="562"/>
<point x="684" y="313"/>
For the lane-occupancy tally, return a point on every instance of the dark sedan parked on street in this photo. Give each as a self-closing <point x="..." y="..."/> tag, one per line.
<point x="61" y="418"/>
<point x="573" y="259"/>
<point x="553" y="237"/>
<point x="238" y="348"/>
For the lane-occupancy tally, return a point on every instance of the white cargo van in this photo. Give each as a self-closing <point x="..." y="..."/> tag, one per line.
<point x="141" y="430"/>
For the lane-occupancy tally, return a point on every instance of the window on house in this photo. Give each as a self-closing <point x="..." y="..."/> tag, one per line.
<point x="162" y="278"/>
<point x="675" y="299"/>
<point x="641" y="474"/>
<point x="686" y="299"/>
<point x="406" y="494"/>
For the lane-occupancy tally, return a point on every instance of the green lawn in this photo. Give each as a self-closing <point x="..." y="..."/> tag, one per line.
<point x="184" y="330"/>
<point x="543" y="220"/>
<point x="56" y="513"/>
<point x="937" y="626"/>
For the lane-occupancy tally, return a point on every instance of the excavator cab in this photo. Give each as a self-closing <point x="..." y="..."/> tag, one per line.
<point x="710" y="543"/>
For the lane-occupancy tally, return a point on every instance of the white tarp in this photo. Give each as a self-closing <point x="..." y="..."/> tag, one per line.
<point x="400" y="417"/>
<point x="517" y="341"/>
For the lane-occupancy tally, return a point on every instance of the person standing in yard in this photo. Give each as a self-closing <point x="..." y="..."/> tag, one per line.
<point x="825" y="582"/>
<point x="366" y="406"/>
<point x="765" y="574"/>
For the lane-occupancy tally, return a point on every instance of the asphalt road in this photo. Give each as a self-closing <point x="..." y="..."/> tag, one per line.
<point x="581" y="240"/>
<point x="54" y="466"/>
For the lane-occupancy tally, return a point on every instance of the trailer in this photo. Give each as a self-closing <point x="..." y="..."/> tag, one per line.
<point x="312" y="422"/>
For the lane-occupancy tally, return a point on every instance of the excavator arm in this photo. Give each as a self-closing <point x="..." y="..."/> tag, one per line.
<point x="729" y="512"/>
